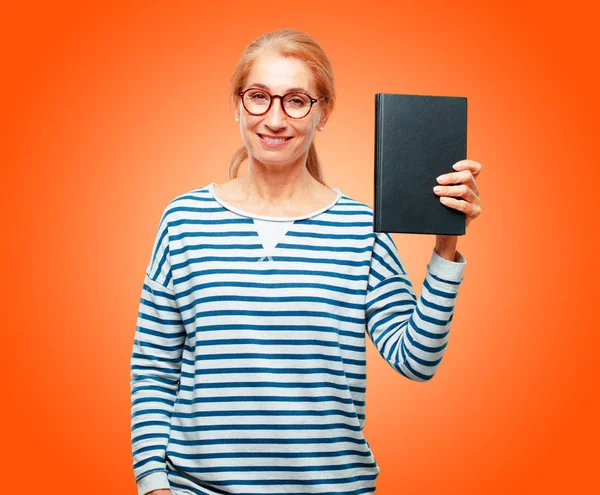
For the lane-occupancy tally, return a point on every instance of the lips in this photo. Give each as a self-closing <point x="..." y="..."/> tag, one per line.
<point x="274" y="137"/>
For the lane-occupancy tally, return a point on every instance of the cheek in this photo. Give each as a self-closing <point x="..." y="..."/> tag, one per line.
<point x="248" y="133"/>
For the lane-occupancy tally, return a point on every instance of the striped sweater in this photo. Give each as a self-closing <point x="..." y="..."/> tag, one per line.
<point x="248" y="370"/>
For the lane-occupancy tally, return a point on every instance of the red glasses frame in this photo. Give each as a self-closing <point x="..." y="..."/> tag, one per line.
<point x="281" y="97"/>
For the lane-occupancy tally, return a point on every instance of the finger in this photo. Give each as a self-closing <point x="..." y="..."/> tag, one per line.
<point x="463" y="177"/>
<point x="472" y="165"/>
<point x="471" y="210"/>
<point x="461" y="190"/>
<point x="455" y="177"/>
<point x="458" y="204"/>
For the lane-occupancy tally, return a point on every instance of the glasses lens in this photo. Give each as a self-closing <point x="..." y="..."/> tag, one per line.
<point x="296" y="105"/>
<point x="256" y="101"/>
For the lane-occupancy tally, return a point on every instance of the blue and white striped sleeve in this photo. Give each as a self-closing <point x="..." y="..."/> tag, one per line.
<point x="410" y="334"/>
<point x="155" y="367"/>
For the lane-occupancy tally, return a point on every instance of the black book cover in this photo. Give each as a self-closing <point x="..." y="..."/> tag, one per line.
<point x="417" y="138"/>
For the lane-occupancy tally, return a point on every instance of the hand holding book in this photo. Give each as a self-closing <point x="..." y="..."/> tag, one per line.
<point x="458" y="190"/>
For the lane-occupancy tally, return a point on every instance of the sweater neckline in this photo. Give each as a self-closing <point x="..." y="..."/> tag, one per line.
<point x="266" y="217"/>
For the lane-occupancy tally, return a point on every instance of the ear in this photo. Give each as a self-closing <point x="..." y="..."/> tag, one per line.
<point x="322" y="123"/>
<point x="325" y="116"/>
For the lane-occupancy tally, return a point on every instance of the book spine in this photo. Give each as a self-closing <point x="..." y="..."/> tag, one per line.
<point x="466" y="124"/>
<point x="378" y="161"/>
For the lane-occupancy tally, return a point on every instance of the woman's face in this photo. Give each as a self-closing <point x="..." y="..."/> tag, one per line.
<point x="279" y="74"/>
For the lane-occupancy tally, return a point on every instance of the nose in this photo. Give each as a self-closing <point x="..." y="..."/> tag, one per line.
<point x="276" y="115"/>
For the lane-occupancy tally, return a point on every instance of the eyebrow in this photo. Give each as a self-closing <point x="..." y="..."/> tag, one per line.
<point x="262" y="86"/>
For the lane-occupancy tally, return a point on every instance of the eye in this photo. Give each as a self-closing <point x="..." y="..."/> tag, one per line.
<point x="297" y="100"/>
<point x="258" y="95"/>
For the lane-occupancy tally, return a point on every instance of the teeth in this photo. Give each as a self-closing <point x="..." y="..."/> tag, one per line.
<point x="271" y="140"/>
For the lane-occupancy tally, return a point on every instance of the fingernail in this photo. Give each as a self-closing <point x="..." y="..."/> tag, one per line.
<point x="456" y="166"/>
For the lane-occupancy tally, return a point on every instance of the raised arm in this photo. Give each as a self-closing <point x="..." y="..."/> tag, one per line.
<point x="411" y="334"/>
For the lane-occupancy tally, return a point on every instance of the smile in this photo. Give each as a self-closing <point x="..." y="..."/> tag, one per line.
<point x="273" y="141"/>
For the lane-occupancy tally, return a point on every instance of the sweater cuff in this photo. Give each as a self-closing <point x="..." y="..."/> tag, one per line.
<point x="154" y="481"/>
<point x="446" y="269"/>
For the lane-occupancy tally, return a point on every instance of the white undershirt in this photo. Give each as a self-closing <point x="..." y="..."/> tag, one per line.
<point x="270" y="232"/>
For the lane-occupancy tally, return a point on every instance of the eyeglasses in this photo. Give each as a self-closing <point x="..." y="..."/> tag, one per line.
<point x="295" y="105"/>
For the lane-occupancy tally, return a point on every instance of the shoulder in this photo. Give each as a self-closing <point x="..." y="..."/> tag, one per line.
<point x="183" y="204"/>
<point x="349" y="201"/>
<point x="354" y="210"/>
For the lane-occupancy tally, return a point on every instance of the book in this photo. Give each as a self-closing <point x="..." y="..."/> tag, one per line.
<point x="417" y="138"/>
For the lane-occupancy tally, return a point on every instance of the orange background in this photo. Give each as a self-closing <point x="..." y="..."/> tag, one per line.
<point x="110" y="111"/>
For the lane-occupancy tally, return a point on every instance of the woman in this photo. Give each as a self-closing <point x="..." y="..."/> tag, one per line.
<point x="248" y="368"/>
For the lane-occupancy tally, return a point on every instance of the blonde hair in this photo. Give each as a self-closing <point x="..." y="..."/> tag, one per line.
<point x="289" y="43"/>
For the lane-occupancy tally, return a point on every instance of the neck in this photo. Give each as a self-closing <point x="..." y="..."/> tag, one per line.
<point x="277" y="184"/>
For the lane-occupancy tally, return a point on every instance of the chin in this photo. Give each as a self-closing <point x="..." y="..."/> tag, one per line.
<point x="271" y="160"/>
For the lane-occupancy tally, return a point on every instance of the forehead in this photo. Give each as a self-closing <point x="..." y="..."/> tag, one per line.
<point x="280" y="73"/>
